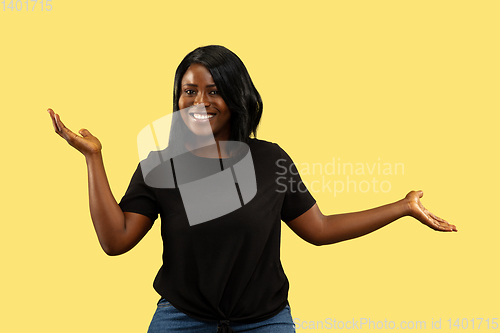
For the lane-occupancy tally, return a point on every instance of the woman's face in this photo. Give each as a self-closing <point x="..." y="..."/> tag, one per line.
<point x="198" y="89"/>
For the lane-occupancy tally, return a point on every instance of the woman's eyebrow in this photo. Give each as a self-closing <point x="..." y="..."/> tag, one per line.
<point x="195" y="85"/>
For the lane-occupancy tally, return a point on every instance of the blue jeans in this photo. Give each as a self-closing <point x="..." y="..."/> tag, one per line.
<point x="169" y="319"/>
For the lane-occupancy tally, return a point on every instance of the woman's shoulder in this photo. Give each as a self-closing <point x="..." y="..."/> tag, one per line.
<point x="267" y="146"/>
<point x="263" y="144"/>
<point x="263" y="150"/>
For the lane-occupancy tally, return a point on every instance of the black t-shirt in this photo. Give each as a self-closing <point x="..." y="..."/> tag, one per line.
<point x="228" y="267"/>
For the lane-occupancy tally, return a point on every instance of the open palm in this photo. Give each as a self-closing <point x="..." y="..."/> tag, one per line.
<point x="86" y="144"/>
<point x="418" y="211"/>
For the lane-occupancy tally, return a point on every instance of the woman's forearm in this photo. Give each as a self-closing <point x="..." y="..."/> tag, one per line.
<point x="340" y="227"/>
<point x="117" y="231"/>
<point x="107" y="216"/>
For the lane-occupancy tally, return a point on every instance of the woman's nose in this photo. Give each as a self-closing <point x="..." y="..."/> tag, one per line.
<point x="201" y="99"/>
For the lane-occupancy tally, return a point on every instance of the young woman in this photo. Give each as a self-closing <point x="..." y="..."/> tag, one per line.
<point x="224" y="274"/>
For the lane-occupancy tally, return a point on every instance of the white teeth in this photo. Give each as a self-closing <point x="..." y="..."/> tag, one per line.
<point x="202" y="116"/>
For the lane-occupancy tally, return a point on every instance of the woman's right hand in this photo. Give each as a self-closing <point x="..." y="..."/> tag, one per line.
<point x="87" y="144"/>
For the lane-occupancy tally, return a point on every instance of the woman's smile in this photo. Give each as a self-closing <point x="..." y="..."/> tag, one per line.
<point x="202" y="116"/>
<point x="201" y="104"/>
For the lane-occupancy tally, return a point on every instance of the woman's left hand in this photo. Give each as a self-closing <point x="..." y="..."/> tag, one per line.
<point x="418" y="211"/>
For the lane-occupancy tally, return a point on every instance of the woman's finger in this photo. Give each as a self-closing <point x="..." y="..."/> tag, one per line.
<point x="445" y="226"/>
<point x="54" y="124"/>
<point x="63" y="128"/>
<point x="437" y="218"/>
<point x="442" y="222"/>
<point x="59" y="123"/>
<point x="439" y="226"/>
<point x="66" y="133"/>
<point x="85" y="132"/>
<point x="452" y="227"/>
<point x="433" y="223"/>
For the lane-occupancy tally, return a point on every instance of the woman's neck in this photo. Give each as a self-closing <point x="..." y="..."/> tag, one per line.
<point x="207" y="148"/>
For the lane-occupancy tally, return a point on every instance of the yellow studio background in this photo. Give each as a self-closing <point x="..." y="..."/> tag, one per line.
<point x="373" y="82"/>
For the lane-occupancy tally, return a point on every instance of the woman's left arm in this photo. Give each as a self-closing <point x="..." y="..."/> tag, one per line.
<point x="319" y="229"/>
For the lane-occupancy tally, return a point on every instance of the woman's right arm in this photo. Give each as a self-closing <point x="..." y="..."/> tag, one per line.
<point x="118" y="232"/>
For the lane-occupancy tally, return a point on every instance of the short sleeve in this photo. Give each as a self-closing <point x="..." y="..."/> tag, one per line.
<point x="139" y="197"/>
<point x="298" y="199"/>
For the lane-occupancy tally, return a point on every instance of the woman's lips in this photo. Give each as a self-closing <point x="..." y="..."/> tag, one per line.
<point x="201" y="116"/>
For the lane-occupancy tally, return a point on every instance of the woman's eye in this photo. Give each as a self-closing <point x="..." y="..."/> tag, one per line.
<point x="214" y="92"/>
<point x="189" y="91"/>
